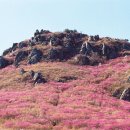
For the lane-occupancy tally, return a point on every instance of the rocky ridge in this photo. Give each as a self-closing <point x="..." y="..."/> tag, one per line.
<point x="69" y="45"/>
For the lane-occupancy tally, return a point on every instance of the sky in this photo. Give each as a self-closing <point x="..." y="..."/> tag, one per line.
<point x="20" y="18"/>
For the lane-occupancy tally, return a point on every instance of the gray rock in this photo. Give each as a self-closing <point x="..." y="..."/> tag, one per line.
<point x="22" y="44"/>
<point x="55" y="54"/>
<point x="37" y="32"/>
<point x="69" y="47"/>
<point x="20" y="56"/>
<point x="7" y="51"/>
<point x="96" y="37"/>
<point x="125" y="94"/>
<point x="126" y="46"/>
<point x="111" y="53"/>
<point x="38" y="78"/>
<point x="15" y="46"/>
<point x="3" y="62"/>
<point x="34" y="56"/>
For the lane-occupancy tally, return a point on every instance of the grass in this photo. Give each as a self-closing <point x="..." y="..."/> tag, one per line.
<point x="82" y="104"/>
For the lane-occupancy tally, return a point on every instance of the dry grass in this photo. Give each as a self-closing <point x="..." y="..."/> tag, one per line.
<point x="84" y="103"/>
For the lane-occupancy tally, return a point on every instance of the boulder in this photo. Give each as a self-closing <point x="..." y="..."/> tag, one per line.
<point x="125" y="94"/>
<point x="112" y="53"/>
<point x="34" y="56"/>
<point x="126" y="46"/>
<point x="42" y="38"/>
<point x="44" y="31"/>
<point x="20" y="56"/>
<point x="69" y="47"/>
<point x="68" y="51"/>
<point x="96" y="37"/>
<point x="55" y="53"/>
<point x="117" y="93"/>
<point x="36" y="33"/>
<point x="54" y="41"/>
<point x="22" y="44"/>
<point x="7" y="51"/>
<point x="38" y="78"/>
<point x="70" y="31"/>
<point x="15" y="46"/>
<point x="91" y="38"/>
<point x="3" y="62"/>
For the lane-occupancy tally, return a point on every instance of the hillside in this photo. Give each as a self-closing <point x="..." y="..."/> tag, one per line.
<point x="65" y="81"/>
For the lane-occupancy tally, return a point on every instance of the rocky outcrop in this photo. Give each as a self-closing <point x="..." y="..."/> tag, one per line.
<point x="68" y="45"/>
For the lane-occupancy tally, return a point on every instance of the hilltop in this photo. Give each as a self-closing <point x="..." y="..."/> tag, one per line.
<point x="70" y="46"/>
<point x="65" y="81"/>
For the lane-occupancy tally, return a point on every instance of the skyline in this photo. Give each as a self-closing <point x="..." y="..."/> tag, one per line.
<point x="20" y="19"/>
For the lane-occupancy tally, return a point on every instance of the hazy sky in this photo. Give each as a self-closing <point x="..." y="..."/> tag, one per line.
<point x="20" y="18"/>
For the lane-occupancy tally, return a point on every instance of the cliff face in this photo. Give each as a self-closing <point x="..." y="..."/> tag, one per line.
<point x="65" y="81"/>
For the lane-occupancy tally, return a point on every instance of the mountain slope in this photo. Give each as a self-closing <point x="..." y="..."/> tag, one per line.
<point x="73" y="97"/>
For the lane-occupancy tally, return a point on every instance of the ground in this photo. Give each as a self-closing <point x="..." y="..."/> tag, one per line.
<point x="82" y="103"/>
